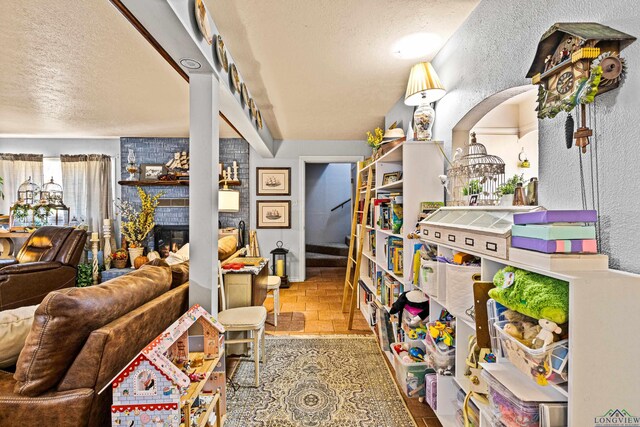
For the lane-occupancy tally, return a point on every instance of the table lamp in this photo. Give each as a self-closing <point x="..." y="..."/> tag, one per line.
<point x="424" y="87"/>
<point x="228" y="200"/>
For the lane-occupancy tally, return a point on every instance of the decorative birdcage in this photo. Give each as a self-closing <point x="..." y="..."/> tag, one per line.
<point x="28" y="192"/>
<point x="475" y="177"/>
<point x="52" y="193"/>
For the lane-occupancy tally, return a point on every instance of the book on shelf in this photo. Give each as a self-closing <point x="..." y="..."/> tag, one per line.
<point x="393" y="251"/>
<point x="427" y="208"/>
<point x="372" y="242"/>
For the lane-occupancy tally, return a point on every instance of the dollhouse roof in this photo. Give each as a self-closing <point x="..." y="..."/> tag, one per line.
<point x="155" y="351"/>
<point x="584" y="30"/>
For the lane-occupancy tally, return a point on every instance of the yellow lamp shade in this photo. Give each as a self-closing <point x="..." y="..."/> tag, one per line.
<point x="424" y="85"/>
<point x="228" y="201"/>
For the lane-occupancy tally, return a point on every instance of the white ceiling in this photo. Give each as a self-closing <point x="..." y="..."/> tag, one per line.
<point x="317" y="69"/>
<point x="79" y="69"/>
<point x="325" y="69"/>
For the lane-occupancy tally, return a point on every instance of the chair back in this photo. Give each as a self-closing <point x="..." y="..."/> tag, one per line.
<point x="223" y="300"/>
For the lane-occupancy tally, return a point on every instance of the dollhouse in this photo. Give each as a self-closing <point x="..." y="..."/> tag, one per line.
<point x="166" y="384"/>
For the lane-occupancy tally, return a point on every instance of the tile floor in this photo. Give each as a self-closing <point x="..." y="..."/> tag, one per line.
<point x="315" y="307"/>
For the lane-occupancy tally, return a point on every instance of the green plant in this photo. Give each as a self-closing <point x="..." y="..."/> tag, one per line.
<point x="20" y="211"/>
<point x="509" y="187"/>
<point x="474" y="187"/>
<point x="85" y="275"/>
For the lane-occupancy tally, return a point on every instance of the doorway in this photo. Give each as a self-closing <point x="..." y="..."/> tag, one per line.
<point x="328" y="211"/>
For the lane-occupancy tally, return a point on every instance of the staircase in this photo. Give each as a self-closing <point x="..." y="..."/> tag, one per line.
<point x="326" y="254"/>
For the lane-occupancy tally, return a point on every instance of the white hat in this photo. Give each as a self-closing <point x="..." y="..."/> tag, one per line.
<point x="391" y="134"/>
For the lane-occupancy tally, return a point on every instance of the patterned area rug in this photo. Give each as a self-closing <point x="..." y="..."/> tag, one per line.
<point x="318" y="382"/>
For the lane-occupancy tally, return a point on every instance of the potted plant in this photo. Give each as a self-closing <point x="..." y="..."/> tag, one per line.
<point x="137" y="224"/>
<point x="119" y="258"/>
<point x="375" y="140"/>
<point x="85" y="275"/>
<point x="505" y="191"/>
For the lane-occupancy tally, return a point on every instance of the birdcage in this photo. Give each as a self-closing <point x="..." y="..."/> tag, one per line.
<point x="475" y="177"/>
<point x="52" y="196"/>
<point x="28" y="192"/>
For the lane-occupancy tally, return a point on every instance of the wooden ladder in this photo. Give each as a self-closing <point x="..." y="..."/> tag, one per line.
<point x="355" y="252"/>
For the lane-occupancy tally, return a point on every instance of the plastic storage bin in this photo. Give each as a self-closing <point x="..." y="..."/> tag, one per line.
<point x="544" y="365"/>
<point x="431" y="390"/>
<point x="511" y="411"/>
<point x="410" y="376"/>
<point x="459" y="280"/>
<point x="442" y="361"/>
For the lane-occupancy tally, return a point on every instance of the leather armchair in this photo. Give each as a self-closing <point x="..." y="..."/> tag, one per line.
<point x="46" y="262"/>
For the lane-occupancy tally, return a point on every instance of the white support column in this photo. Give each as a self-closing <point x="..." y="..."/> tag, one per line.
<point x="204" y="149"/>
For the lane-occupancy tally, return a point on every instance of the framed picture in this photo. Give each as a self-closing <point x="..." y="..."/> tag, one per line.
<point x="273" y="214"/>
<point x="273" y="181"/>
<point x="473" y="200"/>
<point x="391" y="177"/>
<point x="151" y="171"/>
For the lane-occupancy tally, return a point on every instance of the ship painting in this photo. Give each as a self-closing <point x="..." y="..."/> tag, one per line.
<point x="273" y="181"/>
<point x="273" y="215"/>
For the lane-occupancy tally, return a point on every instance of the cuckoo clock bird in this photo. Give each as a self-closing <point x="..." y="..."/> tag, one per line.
<point x="574" y="63"/>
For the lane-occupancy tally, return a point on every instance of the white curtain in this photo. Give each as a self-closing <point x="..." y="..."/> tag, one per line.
<point x="15" y="169"/>
<point x="86" y="182"/>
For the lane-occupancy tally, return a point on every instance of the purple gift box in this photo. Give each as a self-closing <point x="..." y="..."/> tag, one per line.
<point x="550" y="217"/>
<point x="555" y="246"/>
<point x="431" y="390"/>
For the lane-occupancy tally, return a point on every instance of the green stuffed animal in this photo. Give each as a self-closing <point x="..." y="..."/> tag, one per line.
<point x="532" y="294"/>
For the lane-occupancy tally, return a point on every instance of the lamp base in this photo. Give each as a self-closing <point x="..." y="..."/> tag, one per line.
<point x="423" y="119"/>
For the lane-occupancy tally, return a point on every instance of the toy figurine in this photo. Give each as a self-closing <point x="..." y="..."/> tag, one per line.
<point x="417" y="354"/>
<point x="414" y="299"/>
<point x="195" y="377"/>
<point x="545" y="336"/>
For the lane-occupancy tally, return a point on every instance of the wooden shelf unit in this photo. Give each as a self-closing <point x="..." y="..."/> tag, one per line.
<point x="155" y="183"/>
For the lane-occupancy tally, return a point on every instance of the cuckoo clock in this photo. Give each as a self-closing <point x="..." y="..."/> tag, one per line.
<point x="574" y="63"/>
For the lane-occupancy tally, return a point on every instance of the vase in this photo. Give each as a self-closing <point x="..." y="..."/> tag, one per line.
<point x="135" y="253"/>
<point x="506" y="200"/>
<point x="423" y="120"/>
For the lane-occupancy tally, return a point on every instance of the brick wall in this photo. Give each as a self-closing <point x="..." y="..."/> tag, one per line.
<point x="160" y="150"/>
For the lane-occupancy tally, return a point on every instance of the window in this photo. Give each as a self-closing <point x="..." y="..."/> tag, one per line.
<point x="51" y="167"/>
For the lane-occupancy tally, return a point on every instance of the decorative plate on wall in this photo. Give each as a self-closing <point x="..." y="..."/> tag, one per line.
<point x="202" y="18"/>
<point x="221" y="53"/>
<point x="235" y="78"/>
<point x="245" y="94"/>
<point x="259" y="119"/>
<point x="252" y="108"/>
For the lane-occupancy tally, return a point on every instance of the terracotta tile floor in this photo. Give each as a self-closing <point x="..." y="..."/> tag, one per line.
<point x="315" y="307"/>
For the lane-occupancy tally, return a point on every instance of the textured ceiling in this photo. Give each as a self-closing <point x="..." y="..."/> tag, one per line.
<point x="325" y="69"/>
<point x="317" y="69"/>
<point x="80" y="69"/>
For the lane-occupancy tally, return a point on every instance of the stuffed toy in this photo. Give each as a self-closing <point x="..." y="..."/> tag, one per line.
<point x="532" y="294"/>
<point x="522" y="328"/>
<point x="415" y="300"/>
<point x="547" y="335"/>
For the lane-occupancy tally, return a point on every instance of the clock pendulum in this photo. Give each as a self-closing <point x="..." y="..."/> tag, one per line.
<point x="583" y="133"/>
<point x="568" y="131"/>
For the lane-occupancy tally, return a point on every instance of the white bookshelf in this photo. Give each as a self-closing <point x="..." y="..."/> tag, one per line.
<point x="603" y="370"/>
<point x="420" y="164"/>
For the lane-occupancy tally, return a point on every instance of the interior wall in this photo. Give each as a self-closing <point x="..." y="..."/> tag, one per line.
<point x="492" y="51"/>
<point x="327" y="185"/>
<point x="288" y="155"/>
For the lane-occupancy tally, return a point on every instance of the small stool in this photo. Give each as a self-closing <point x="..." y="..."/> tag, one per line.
<point x="273" y="284"/>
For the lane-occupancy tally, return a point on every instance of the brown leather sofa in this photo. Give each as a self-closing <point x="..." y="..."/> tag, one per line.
<point x="80" y="339"/>
<point x="47" y="261"/>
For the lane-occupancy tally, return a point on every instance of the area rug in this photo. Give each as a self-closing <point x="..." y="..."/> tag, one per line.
<point x="318" y="382"/>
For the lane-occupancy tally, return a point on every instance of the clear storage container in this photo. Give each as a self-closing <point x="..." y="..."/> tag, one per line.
<point x="544" y="365"/>
<point x="443" y="361"/>
<point x="411" y="375"/>
<point x="511" y="411"/>
<point x="431" y="390"/>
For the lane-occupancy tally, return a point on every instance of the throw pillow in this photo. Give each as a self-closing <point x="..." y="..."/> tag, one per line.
<point x="14" y="327"/>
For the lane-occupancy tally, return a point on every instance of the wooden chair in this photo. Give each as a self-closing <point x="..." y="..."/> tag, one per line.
<point x="273" y="286"/>
<point x="244" y="319"/>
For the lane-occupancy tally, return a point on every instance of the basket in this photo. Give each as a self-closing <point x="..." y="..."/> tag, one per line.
<point x="460" y="288"/>
<point x="119" y="263"/>
<point x="544" y="365"/>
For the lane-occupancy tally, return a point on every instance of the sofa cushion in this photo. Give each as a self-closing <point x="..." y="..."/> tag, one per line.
<point x="179" y="272"/>
<point x="65" y="318"/>
<point x="14" y="328"/>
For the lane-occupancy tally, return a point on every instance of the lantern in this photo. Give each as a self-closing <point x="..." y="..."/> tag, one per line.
<point x="279" y="263"/>
<point x="52" y="193"/>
